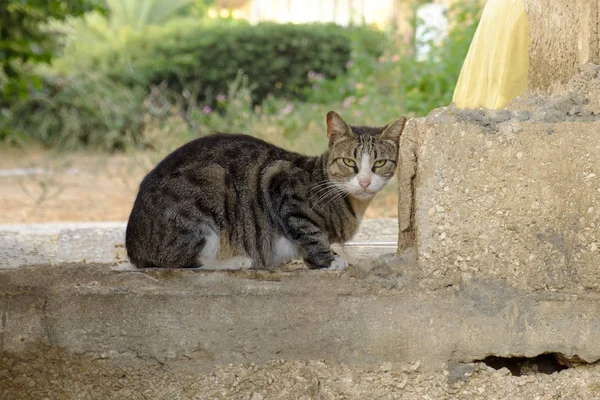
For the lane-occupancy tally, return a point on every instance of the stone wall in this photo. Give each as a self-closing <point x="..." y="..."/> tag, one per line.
<point x="511" y="194"/>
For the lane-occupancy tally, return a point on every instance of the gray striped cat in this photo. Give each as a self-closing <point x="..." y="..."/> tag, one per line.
<point x="229" y="201"/>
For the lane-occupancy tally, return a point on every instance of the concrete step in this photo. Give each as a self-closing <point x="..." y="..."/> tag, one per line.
<point x="383" y="308"/>
<point x="103" y="243"/>
<point x="365" y="314"/>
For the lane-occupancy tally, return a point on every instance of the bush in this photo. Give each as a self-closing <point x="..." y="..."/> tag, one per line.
<point x="86" y="110"/>
<point x="398" y="79"/>
<point x="276" y="58"/>
<point x="175" y="76"/>
<point x="26" y="41"/>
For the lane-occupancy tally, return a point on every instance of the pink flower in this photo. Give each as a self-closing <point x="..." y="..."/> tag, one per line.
<point x="288" y="109"/>
<point x="206" y="110"/>
<point x="396" y="58"/>
<point x="348" y="101"/>
<point x="315" y="77"/>
<point x="221" y="98"/>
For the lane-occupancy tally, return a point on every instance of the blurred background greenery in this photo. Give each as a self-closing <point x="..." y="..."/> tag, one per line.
<point x="122" y="74"/>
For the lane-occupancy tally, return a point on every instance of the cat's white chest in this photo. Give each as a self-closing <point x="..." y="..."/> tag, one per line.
<point x="284" y="251"/>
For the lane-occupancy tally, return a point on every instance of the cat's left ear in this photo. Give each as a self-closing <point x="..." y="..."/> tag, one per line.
<point x="393" y="131"/>
<point x="337" y="128"/>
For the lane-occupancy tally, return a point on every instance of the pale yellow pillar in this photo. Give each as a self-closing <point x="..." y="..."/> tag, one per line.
<point x="496" y="68"/>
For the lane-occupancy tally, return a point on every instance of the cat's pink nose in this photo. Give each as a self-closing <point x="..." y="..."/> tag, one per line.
<point x="364" y="183"/>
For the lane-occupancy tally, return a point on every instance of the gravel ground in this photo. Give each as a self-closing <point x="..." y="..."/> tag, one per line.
<point x="47" y="374"/>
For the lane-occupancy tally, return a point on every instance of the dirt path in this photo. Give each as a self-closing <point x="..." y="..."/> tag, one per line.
<point x="41" y="186"/>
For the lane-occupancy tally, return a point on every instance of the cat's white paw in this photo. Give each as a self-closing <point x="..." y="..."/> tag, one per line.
<point x="338" y="264"/>
<point x="230" y="264"/>
<point x="240" y="262"/>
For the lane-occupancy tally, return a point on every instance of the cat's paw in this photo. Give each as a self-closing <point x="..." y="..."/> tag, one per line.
<point x="230" y="264"/>
<point x="240" y="262"/>
<point x="338" y="264"/>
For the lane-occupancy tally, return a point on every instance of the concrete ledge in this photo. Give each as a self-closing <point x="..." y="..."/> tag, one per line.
<point x="505" y="195"/>
<point x="32" y="244"/>
<point x="364" y="315"/>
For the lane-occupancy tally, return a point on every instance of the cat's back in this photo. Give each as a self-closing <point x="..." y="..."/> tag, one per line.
<point x="237" y="154"/>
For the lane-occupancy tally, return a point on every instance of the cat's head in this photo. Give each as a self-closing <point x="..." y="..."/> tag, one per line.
<point x="362" y="159"/>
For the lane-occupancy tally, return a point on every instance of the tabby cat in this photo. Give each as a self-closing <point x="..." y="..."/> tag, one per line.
<point x="231" y="201"/>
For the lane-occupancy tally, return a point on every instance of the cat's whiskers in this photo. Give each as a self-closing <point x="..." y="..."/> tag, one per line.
<point x="335" y="190"/>
<point x="323" y="194"/>
<point x="338" y="196"/>
<point x="323" y="186"/>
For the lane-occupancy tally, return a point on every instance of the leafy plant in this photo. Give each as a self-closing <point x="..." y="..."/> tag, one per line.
<point x="85" y="110"/>
<point x="183" y="79"/>
<point x="127" y="18"/>
<point x="398" y="78"/>
<point x="276" y="58"/>
<point x="26" y="41"/>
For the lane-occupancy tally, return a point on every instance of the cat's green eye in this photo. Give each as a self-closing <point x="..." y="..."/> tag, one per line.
<point x="379" y="163"/>
<point x="350" y="163"/>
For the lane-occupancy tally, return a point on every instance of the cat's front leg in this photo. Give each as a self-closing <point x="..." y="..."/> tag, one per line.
<point x="305" y="233"/>
<point x="299" y="223"/>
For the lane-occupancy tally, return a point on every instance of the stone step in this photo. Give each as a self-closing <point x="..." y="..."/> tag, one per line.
<point x="370" y="313"/>
<point x="103" y="243"/>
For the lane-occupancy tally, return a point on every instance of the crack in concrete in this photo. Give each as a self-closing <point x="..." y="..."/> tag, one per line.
<point x="45" y="321"/>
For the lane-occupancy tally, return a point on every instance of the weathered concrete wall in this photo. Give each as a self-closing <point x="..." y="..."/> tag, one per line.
<point x="360" y="316"/>
<point x="518" y="200"/>
<point x="564" y="34"/>
<point x="511" y="194"/>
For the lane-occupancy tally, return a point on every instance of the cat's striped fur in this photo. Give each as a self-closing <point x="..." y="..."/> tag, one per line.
<point x="229" y="201"/>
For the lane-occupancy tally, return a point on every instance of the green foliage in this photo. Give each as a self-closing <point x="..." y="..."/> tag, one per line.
<point x="398" y="79"/>
<point x="25" y="40"/>
<point x="197" y="8"/>
<point x="430" y="83"/>
<point x="276" y="58"/>
<point x="126" y="18"/>
<point x="69" y="112"/>
<point x="183" y="79"/>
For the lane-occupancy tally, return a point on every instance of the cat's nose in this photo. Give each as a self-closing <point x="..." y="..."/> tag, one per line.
<point x="364" y="183"/>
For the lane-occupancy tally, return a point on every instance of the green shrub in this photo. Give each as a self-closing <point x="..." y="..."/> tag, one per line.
<point x="276" y="58"/>
<point x="25" y="40"/>
<point x="85" y="110"/>
<point x="398" y="79"/>
<point x="170" y="79"/>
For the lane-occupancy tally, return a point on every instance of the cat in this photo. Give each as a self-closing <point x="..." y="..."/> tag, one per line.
<point x="232" y="201"/>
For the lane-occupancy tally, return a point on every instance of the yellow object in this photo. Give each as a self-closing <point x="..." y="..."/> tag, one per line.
<point x="496" y="67"/>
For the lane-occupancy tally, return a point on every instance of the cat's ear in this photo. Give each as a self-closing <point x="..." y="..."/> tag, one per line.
<point x="393" y="131"/>
<point x="337" y="128"/>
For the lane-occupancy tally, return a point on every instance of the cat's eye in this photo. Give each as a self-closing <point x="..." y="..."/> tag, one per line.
<point x="379" y="163"/>
<point x="350" y="163"/>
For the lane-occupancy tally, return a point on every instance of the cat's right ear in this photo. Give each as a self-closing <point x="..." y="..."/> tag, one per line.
<point x="337" y="128"/>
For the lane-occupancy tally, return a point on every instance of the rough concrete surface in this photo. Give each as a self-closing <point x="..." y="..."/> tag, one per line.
<point x="96" y="331"/>
<point x="564" y="35"/>
<point x="29" y="244"/>
<point x="104" y="242"/>
<point x="510" y="194"/>
<point x="51" y="375"/>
